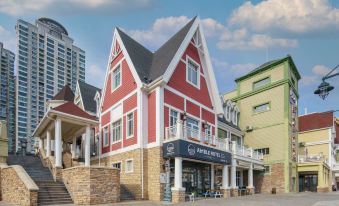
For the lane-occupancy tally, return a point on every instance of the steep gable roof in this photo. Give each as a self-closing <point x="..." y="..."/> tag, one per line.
<point x="149" y="65"/>
<point x="72" y="109"/>
<point x="65" y="93"/>
<point x="88" y="93"/>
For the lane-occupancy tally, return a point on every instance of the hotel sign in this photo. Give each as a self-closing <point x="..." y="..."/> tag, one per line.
<point x="186" y="149"/>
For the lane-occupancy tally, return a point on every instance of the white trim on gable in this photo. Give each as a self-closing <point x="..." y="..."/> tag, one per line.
<point x="117" y="38"/>
<point x="208" y="70"/>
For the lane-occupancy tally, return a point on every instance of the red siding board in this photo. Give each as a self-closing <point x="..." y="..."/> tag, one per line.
<point x="208" y="116"/>
<point x="151" y="117"/>
<point x="178" y="82"/>
<point x="173" y="99"/>
<point x="105" y="118"/>
<point x="128" y="85"/>
<point x="192" y="109"/>
<point x="166" y="118"/>
<point x="130" y="103"/>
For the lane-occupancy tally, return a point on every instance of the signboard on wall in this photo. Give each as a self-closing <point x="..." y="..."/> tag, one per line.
<point x="186" y="149"/>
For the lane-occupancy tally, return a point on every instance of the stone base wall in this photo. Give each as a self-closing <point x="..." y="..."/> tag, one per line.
<point x="322" y="189"/>
<point x="67" y="159"/>
<point x="226" y="193"/>
<point x="92" y="185"/>
<point x="178" y="195"/>
<point x="155" y="164"/>
<point x="234" y="193"/>
<point x="264" y="183"/>
<point x="57" y="173"/>
<point x="130" y="180"/>
<point x="17" y="187"/>
<point x="250" y="191"/>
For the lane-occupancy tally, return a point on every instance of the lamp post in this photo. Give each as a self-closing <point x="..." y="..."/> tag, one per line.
<point x="324" y="88"/>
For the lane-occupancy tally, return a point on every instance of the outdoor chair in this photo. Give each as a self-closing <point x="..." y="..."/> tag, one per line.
<point x="218" y="194"/>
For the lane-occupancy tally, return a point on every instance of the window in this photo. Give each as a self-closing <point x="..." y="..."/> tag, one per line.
<point x="116" y="77"/>
<point x="105" y="136"/>
<point x="173" y="117"/>
<point x="262" y="108"/>
<point x="129" y="166"/>
<point x="117" y="165"/>
<point x="261" y="83"/>
<point x="266" y="169"/>
<point x="116" y="131"/>
<point x="192" y="72"/>
<point x="264" y="151"/>
<point x="130" y="124"/>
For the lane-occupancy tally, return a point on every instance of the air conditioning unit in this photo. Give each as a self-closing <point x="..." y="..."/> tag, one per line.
<point x="249" y="128"/>
<point x="302" y="144"/>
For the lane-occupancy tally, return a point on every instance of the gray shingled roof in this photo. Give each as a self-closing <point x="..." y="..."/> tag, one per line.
<point x="88" y="93"/>
<point x="150" y="65"/>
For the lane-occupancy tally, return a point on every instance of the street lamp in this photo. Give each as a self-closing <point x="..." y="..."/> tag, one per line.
<point x="324" y="88"/>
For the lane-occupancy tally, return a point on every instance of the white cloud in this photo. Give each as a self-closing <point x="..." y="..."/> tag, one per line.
<point x="163" y="28"/>
<point x="318" y="71"/>
<point x="160" y="31"/>
<point x="70" y="7"/>
<point x="296" y="16"/>
<point x="223" y="67"/>
<point x="255" y="41"/>
<point x="8" y="39"/>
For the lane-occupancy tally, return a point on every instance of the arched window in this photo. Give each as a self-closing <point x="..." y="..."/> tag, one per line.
<point x="228" y="113"/>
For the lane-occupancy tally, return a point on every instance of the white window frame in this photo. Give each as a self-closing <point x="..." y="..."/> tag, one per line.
<point x="106" y="143"/>
<point x="112" y="140"/>
<point x="118" y="66"/>
<point x="189" y="59"/>
<point x="119" y="162"/>
<point x="127" y="125"/>
<point x="177" y="117"/>
<point x="126" y="166"/>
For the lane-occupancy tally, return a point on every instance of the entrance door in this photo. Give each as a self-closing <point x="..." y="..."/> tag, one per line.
<point x="308" y="183"/>
<point x="196" y="177"/>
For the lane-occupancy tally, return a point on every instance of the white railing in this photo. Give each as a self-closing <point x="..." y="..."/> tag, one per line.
<point x="312" y="158"/>
<point x="181" y="131"/>
<point x="245" y="151"/>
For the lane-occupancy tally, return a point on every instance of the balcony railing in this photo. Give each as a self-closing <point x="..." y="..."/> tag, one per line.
<point x="183" y="132"/>
<point x="312" y="158"/>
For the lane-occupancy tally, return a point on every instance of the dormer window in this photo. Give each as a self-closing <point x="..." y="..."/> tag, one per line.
<point x="192" y="72"/>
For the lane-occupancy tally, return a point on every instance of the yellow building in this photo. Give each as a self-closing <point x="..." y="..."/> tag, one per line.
<point x="267" y="97"/>
<point x="3" y="142"/>
<point x="316" y="152"/>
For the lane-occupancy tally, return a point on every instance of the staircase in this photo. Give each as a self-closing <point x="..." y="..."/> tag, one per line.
<point x="125" y="194"/>
<point x="50" y="192"/>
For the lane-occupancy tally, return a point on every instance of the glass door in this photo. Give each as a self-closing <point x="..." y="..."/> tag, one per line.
<point x="192" y="126"/>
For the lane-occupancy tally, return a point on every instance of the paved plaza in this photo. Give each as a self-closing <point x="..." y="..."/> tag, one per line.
<point x="299" y="199"/>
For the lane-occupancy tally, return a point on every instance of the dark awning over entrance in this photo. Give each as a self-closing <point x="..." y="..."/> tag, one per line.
<point x="186" y="149"/>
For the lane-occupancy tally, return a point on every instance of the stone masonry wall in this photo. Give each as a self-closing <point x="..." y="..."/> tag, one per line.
<point x="17" y="187"/>
<point x="155" y="164"/>
<point x="92" y="185"/>
<point x="265" y="183"/>
<point x="131" y="180"/>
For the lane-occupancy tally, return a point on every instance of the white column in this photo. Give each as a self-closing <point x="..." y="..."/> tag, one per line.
<point x="212" y="176"/>
<point x="88" y="146"/>
<point x="233" y="174"/>
<point x="74" y="143"/>
<point x="48" y="144"/>
<point x="178" y="173"/>
<point x="179" y="129"/>
<point x="250" y="176"/>
<point x="225" y="184"/>
<point x="41" y="143"/>
<point x="58" y="152"/>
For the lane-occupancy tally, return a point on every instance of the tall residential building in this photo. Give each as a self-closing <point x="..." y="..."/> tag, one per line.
<point x="47" y="60"/>
<point x="7" y="93"/>
<point x="267" y="98"/>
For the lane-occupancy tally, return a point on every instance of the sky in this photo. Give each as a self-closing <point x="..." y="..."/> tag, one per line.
<point x="241" y="35"/>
